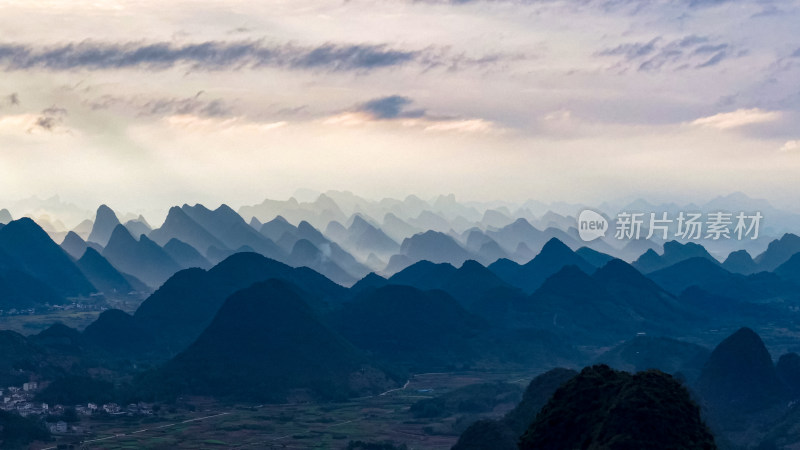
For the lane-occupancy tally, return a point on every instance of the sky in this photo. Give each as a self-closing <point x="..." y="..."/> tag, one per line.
<point x="147" y="104"/>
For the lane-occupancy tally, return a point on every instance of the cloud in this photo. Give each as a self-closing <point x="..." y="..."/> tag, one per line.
<point x="791" y="146"/>
<point x="392" y="107"/>
<point x="50" y="119"/>
<point x="142" y="106"/>
<point x="209" y="56"/>
<point x="233" y="55"/>
<point x="738" y="118"/>
<point x="796" y="53"/>
<point x="659" y="53"/>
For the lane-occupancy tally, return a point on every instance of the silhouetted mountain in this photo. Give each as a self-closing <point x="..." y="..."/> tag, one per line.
<point x="604" y="408"/>
<point x="424" y="275"/>
<point x="665" y="354"/>
<point x="19" y="290"/>
<point x="184" y="305"/>
<point x="408" y="327"/>
<point x="707" y="275"/>
<point x="536" y="395"/>
<point x="103" y="275"/>
<point x="60" y="338"/>
<point x="739" y="376"/>
<point x="74" y="245"/>
<point x="504" y="434"/>
<point x="5" y="216"/>
<point x="178" y="225"/>
<point x="644" y="300"/>
<point x="118" y="333"/>
<point x="790" y="270"/>
<point x="674" y="252"/>
<point x="32" y="251"/>
<point x="185" y="255"/>
<point x="266" y="344"/>
<point x="788" y="369"/>
<point x="104" y="223"/>
<point x="467" y="284"/>
<point x="740" y="262"/>
<point x="593" y="257"/>
<point x="529" y="277"/>
<point x="143" y="259"/>
<point x="778" y="252"/>
<point x="371" y="281"/>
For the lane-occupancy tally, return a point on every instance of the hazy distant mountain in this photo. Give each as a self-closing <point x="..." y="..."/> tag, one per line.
<point x="516" y="233"/>
<point x="231" y="229"/>
<point x="266" y="345"/>
<point x="32" y="251"/>
<point x="104" y="223"/>
<point x="276" y="228"/>
<point x="5" y="216"/>
<point x="406" y="326"/>
<point x="84" y="228"/>
<point x="138" y="226"/>
<point x="185" y="255"/>
<point x="604" y="408"/>
<point x="306" y="254"/>
<point x="739" y="376"/>
<point x="778" y="252"/>
<point x="178" y="225"/>
<point x="740" y="262"/>
<point x="74" y="245"/>
<point x="143" y="259"/>
<point x="364" y="238"/>
<point x="674" y="252"/>
<point x="429" y="246"/>
<point x="397" y="229"/>
<point x="665" y="354"/>
<point x="103" y="275"/>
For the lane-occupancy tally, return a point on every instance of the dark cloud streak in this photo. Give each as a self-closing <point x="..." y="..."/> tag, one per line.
<point x="392" y="107"/>
<point x="206" y="56"/>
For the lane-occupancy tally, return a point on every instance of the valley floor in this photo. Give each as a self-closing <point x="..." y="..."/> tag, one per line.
<point x="213" y="425"/>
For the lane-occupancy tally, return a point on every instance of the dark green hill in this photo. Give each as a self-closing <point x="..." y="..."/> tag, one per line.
<point x="605" y="409"/>
<point x="102" y="274"/>
<point x="665" y="354"/>
<point x="266" y="344"/>
<point x="503" y="434"/>
<point x="739" y="376"/>
<point x="34" y="253"/>
<point x="421" y="330"/>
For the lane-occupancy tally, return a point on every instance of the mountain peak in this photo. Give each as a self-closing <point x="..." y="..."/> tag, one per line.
<point x="740" y="374"/>
<point x="104" y="223"/>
